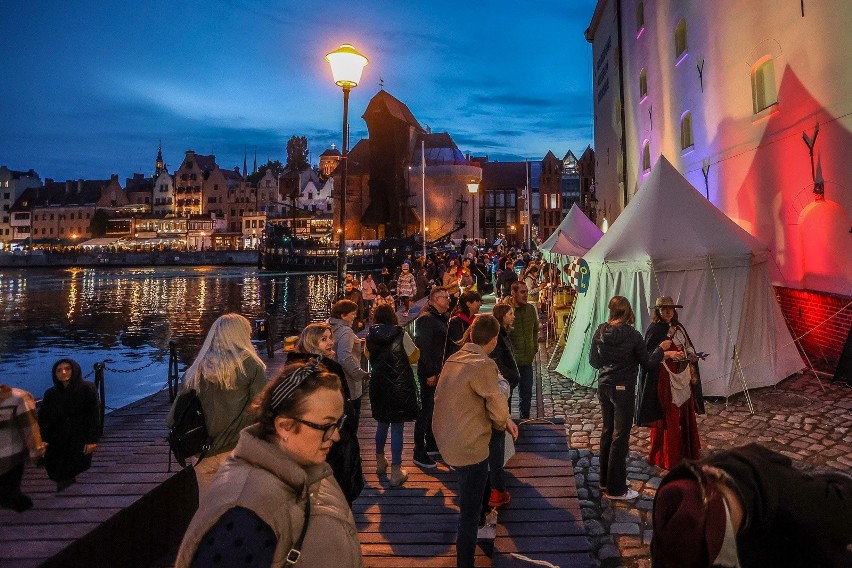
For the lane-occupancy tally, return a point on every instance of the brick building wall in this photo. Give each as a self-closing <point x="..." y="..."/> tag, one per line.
<point x="822" y="320"/>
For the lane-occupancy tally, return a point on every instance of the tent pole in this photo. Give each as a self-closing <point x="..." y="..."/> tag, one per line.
<point x="731" y="339"/>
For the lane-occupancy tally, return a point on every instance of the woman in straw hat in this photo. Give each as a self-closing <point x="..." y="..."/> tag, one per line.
<point x="670" y="395"/>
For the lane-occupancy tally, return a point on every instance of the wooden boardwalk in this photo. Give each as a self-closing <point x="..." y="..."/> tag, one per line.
<point x="415" y="525"/>
<point x="127" y="510"/>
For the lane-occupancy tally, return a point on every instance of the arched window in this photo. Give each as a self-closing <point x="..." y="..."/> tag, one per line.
<point x="643" y="84"/>
<point x="646" y="156"/>
<point x="680" y="38"/>
<point x="640" y="16"/>
<point x="686" y="140"/>
<point x="763" y="92"/>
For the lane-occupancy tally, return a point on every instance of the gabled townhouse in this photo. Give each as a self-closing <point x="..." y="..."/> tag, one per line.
<point x="12" y="184"/>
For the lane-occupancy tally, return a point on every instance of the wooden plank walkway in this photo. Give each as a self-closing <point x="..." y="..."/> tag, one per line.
<point x="127" y="510"/>
<point x="415" y="525"/>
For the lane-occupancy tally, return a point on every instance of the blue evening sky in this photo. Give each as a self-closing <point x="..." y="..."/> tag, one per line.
<point x="91" y="86"/>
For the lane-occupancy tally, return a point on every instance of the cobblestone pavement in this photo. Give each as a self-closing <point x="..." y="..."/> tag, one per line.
<point x="808" y="421"/>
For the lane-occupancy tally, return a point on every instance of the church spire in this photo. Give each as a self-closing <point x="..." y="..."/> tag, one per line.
<point x="158" y="169"/>
<point x="245" y="159"/>
<point x="255" y="159"/>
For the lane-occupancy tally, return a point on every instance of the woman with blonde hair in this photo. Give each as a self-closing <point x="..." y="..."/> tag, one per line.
<point x="345" y="456"/>
<point x="227" y="374"/>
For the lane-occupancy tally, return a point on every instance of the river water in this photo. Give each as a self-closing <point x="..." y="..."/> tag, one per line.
<point x="126" y="317"/>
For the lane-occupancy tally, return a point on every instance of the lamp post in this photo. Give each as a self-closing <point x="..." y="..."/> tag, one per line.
<point x="473" y="190"/>
<point x="346" y="68"/>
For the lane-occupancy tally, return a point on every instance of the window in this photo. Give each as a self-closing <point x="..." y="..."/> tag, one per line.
<point x="210" y="200"/>
<point x="640" y="17"/>
<point x="680" y="39"/>
<point x="646" y="156"/>
<point x="763" y="93"/>
<point x="643" y="85"/>
<point x="248" y="224"/>
<point x="553" y="201"/>
<point x="686" y="140"/>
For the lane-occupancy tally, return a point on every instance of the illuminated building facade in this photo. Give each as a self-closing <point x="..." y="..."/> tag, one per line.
<point x="751" y="103"/>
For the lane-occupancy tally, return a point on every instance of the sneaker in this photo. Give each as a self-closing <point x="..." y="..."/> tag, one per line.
<point x="631" y="494"/>
<point x="499" y="498"/>
<point x="422" y="459"/>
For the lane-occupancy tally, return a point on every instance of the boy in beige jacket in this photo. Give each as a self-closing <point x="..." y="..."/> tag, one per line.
<point x="468" y="404"/>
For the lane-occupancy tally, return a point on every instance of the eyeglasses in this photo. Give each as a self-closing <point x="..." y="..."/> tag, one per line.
<point x="327" y="430"/>
<point x="442" y="297"/>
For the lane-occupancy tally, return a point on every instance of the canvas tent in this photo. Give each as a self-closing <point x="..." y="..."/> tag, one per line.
<point x="671" y="241"/>
<point x="575" y="235"/>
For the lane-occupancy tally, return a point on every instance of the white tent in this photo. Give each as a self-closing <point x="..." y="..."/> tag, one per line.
<point x="575" y="235"/>
<point x="670" y="241"/>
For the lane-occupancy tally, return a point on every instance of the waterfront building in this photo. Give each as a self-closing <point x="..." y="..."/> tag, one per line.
<point x="61" y="212"/>
<point x="502" y="189"/>
<point x="750" y="102"/>
<point x="570" y="183"/>
<point x="201" y="187"/>
<point x="140" y="191"/>
<point x="586" y="170"/>
<point x="12" y="185"/>
<point x="163" y="202"/>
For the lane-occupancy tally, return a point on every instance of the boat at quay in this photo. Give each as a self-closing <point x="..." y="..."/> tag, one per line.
<point x="281" y="252"/>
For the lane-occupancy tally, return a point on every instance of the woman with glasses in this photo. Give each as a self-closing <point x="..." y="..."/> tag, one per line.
<point x="277" y="483"/>
<point x="345" y="456"/>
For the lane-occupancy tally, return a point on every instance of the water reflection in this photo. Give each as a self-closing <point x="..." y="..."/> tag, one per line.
<point x="127" y="317"/>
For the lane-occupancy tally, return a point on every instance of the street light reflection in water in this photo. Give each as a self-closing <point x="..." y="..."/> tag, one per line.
<point x="127" y="316"/>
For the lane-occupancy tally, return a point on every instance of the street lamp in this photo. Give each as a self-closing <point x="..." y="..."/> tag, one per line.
<point x="346" y="68"/>
<point x="473" y="189"/>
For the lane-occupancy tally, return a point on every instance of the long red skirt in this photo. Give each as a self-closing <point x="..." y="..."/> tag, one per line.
<point x="675" y="436"/>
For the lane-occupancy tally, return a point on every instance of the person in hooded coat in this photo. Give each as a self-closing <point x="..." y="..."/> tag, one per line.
<point x="70" y="423"/>
<point x="394" y="392"/>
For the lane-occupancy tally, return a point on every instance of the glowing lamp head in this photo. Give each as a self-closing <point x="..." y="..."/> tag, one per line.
<point x="346" y="66"/>
<point x="473" y="186"/>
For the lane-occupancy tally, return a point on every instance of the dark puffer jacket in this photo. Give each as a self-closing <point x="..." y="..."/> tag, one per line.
<point x="618" y="350"/>
<point x="68" y="419"/>
<point x="505" y="359"/>
<point x="394" y="392"/>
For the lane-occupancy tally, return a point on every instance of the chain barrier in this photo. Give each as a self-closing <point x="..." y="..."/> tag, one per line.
<point x="125" y="371"/>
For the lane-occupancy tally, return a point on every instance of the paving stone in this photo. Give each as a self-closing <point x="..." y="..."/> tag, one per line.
<point x="624" y="528"/>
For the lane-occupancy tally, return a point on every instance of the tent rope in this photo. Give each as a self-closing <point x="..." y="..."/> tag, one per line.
<point x="731" y="337"/>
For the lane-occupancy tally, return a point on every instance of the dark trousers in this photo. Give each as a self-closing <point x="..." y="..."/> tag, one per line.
<point x="525" y="390"/>
<point x="356" y="415"/>
<point x="617" y="407"/>
<point x="496" y="457"/>
<point x="423" y="437"/>
<point x="472" y="480"/>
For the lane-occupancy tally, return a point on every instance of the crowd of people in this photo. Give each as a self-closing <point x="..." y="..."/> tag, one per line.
<point x="283" y="467"/>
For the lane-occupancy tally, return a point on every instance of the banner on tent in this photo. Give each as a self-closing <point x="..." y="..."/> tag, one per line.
<point x="578" y="275"/>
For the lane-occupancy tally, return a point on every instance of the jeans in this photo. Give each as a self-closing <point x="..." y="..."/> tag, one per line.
<point x="472" y="480"/>
<point x="423" y="438"/>
<point x="617" y="407"/>
<point x="525" y="390"/>
<point x="397" y="429"/>
<point x="496" y="457"/>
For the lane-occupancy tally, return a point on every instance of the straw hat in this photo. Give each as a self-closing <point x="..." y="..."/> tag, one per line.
<point x="665" y="302"/>
<point x="290" y="342"/>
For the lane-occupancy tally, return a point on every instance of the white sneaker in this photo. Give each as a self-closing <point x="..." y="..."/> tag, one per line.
<point x="631" y="494"/>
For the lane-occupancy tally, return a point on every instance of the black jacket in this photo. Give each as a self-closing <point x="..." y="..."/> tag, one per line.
<point x="648" y="407"/>
<point x="455" y="331"/>
<point x="505" y="359"/>
<point x="792" y="518"/>
<point x="618" y="350"/>
<point x="68" y="419"/>
<point x="430" y="336"/>
<point x="345" y="455"/>
<point x="394" y="392"/>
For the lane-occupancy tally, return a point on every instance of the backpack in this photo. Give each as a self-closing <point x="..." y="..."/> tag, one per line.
<point x="188" y="434"/>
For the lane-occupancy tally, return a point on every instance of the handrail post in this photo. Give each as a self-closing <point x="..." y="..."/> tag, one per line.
<point x="270" y="337"/>
<point x="173" y="371"/>
<point x="99" y="385"/>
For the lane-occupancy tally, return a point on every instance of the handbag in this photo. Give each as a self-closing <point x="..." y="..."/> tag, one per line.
<point x="693" y="373"/>
<point x="680" y="385"/>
